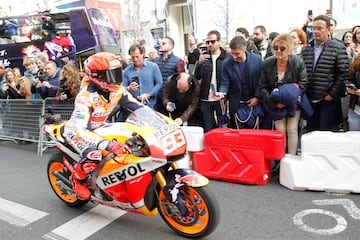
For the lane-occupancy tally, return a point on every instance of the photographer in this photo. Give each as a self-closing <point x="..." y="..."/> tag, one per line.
<point x="209" y="72"/>
<point x="47" y="85"/>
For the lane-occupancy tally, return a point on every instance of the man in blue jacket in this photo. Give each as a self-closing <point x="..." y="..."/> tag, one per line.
<point x="240" y="78"/>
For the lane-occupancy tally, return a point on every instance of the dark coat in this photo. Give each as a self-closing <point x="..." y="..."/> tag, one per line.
<point x="330" y="72"/>
<point x="184" y="110"/>
<point x="230" y="83"/>
<point x="295" y="73"/>
<point x="204" y="71"/>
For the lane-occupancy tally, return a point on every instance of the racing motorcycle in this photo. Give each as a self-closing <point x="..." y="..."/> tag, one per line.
<point x="147" y="180"/>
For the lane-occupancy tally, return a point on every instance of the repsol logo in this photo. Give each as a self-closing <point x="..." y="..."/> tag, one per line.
<point x="122" y="175"/>
<point x="165" y="130"/>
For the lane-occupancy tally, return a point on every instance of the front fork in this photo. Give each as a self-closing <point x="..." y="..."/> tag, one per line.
<point x="175" y="179"/>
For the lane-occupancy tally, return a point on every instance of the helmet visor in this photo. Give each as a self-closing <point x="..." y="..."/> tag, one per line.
<point x="111" y="76"/>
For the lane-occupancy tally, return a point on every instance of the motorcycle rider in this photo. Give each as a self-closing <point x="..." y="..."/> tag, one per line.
<point x="101" y="92"/>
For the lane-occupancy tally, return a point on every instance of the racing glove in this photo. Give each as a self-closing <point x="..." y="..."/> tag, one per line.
<point x="118" y="148"/>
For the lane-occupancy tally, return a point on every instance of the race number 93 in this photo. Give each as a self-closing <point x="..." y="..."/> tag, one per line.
<point x="173" y="141"/>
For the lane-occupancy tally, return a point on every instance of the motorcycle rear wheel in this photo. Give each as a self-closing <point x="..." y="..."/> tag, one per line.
<point x="56" y="164"/>
<point x="203" y="212"/>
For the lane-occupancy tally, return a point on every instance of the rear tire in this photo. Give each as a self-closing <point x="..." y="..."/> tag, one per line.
<point x="203" y="212"/>
<point x="64" y="193"/>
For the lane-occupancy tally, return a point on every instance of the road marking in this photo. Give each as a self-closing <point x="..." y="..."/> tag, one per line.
<point x="340" y="226"/>
<point x="86" y="224"/>
<point x="348" y="204"/>
<point x="17" y="214"/>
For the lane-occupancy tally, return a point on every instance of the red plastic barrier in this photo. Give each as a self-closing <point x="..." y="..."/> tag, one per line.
<point x="240" y="156"/>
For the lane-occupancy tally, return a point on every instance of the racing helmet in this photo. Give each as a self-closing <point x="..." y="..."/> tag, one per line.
<point x="104" y="70"/>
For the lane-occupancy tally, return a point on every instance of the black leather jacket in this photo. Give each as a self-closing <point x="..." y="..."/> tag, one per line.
<point x="295" y="73"/>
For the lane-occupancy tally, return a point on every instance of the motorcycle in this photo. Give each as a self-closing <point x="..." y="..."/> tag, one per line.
<point x="147" y="180"/>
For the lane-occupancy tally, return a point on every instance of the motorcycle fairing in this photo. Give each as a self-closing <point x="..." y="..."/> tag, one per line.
<point x="128" y="182"/>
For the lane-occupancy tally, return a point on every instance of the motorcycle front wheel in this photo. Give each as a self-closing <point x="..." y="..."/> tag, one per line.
<point x="202" y="215"/>
<point x="61" y="189"/>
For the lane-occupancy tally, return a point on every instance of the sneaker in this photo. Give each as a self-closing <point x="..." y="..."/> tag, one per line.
<point x="80" y="189"/>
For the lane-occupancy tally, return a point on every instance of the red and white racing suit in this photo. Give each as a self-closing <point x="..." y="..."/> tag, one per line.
<point x="91" y="111"/>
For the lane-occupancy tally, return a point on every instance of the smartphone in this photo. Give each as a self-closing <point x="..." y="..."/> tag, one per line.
<point x="204" y="50"/>
<point x="351" y="85"/>
<point x="135" y="79"/>
<point x="310" y="12"/>
<point x="212" y="87"/>
<point x="173" y="106"/>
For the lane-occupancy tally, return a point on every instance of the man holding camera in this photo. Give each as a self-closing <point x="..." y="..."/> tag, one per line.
<point x="47" y="85"/>
<point x="209" y="71"/>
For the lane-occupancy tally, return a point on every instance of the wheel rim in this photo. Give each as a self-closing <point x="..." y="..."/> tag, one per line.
<point x="65" y="197"/>
<point x="197" y="218"/>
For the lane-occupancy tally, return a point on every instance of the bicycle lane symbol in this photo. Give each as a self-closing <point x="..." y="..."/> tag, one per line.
<point x="341" y="225"/>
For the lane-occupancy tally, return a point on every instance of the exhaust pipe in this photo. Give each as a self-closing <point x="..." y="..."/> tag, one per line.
<point x="62" y="178"/>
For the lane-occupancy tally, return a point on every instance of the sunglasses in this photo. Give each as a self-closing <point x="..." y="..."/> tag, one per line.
<point x="281" y="48"/>
<point x="210" y="41"/>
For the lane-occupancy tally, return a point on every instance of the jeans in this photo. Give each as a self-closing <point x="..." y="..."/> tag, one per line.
<point x="208" y="112"/>
<point x="354" y="120"/>
<point x="324" y="116"/>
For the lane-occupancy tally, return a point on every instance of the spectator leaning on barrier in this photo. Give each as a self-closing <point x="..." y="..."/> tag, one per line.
<point x="40" y="60"/>
<point x="11" y="87"/>
<point x="327" y="68"/>
<point x="181" y="97"/>
<point x="30" y="72"/>
<point x="69" y="82"/>
<point x="50" y="85"/>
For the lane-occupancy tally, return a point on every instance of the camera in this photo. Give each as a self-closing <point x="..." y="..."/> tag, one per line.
<point x="135" y="79"/>
<point x="41" y="77"/>
<point x="204" y="50"/>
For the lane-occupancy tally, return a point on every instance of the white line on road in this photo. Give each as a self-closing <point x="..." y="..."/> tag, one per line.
<point x="17" y="214"/>
<point x="86" y="224"/>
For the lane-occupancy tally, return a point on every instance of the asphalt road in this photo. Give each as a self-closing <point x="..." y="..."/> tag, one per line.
<point x="29" y="209"/>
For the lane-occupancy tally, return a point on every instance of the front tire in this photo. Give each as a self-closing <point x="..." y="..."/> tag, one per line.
<point x="61" y="189"/>
<point x="202" y="212"/>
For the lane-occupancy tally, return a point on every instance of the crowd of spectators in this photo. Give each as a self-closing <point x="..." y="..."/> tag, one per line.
<point x="251" y="73"/>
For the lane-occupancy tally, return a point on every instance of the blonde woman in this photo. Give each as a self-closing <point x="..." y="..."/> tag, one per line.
<point x="281" y="68"/>
<point x="11" y="86"/>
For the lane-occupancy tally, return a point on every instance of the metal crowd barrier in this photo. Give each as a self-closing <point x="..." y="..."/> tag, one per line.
<point x="64" y="108"/>
<point x="20" y="119"/>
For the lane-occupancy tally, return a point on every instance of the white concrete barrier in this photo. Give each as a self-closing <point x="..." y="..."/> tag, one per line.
<point x="195" y="143"/>
<point x="329" y="162"/>
<point x="194" y="137"/>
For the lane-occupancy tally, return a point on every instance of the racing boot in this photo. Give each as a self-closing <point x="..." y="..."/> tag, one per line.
<point x="81" y="171"/>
